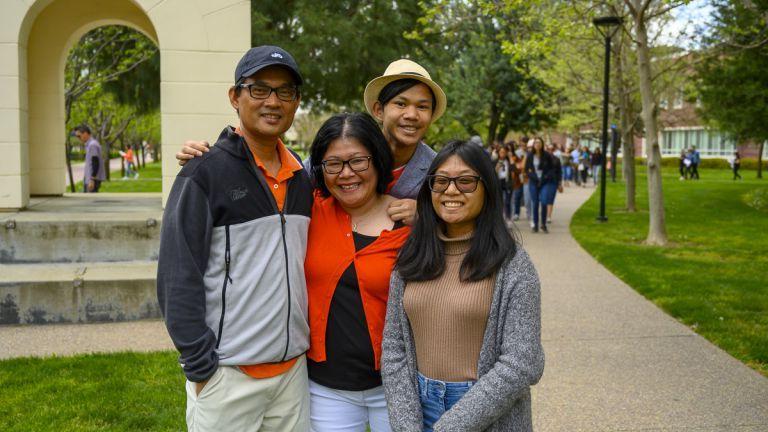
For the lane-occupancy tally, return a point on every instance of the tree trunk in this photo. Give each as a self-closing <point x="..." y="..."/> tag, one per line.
<point x="761" y="148"/>
<point x="627" y="134"/>
<point x="494" y="124"/>
<point x="657" y="231"/>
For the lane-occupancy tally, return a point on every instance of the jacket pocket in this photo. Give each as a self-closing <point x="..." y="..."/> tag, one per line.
<point x="227" y="280"/>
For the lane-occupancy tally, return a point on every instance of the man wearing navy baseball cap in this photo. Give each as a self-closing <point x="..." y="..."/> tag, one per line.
<point x="230" y="276"/>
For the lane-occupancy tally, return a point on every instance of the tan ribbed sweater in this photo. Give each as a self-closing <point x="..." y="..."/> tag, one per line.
<point x="448" y="318"/>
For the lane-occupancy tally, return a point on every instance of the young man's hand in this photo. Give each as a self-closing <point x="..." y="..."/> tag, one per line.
<point x="403" y="210"/>
<point x="91" y="185"/>
<point x="191" y="150"/>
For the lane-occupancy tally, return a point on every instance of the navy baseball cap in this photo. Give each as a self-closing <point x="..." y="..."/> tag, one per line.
<point x="257" y="58"/>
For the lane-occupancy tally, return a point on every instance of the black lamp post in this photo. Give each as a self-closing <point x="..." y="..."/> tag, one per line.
<point x="607" y="27"/>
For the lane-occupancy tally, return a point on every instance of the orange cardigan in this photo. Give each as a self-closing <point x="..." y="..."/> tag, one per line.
<point x="330" y="250"/>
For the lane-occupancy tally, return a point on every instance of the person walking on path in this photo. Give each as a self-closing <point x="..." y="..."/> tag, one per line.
<point x="128" y="157"/>
<point x="462" y="339"/>
<point x="576" y="165"/>
<point x="519" y="181"/>
<point x="584" y="165"/>
<point x="504" y="171"/>
<point x="596" y="161"/>
<point x="93" y="170"/>
<point x="556" y="186"/>
<point x="348" y="287"/>
<point x="735" y="165"/>
<point x="540" y="167"/>
<point x="230" y="279"/>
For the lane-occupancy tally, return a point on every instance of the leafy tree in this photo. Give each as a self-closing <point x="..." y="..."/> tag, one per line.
<point x="491" y="90"/>
<point x="733" y="82"/>
<point x="340" y="45"/>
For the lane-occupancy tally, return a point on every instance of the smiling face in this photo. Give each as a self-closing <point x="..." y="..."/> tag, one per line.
<point x="265" y="119"/>
<point x="458" y="210"/>
<point x="406" y="117"/>
<point x="351" y="189"/>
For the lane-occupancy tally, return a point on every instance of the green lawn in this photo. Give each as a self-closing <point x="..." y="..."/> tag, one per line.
<point x="713" y="276"/>
<point x="115" y="392"/>
<point x="150" y="180"/>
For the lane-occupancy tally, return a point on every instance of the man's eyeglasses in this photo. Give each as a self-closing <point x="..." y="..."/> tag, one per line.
<point x="261" y="91"/>
<point x="465" y="183"/>
<point x="356" y="164"/>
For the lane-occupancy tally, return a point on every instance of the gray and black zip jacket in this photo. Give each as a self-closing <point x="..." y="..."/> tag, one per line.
<point x="230" y="278"/>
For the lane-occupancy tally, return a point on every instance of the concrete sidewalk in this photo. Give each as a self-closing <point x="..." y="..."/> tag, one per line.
<point x="614" y="361"/>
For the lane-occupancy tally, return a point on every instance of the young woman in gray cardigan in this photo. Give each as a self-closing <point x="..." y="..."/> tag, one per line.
<point x="462" y="339"/>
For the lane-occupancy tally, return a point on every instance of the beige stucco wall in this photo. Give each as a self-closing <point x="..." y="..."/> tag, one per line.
<point x="200" y="42"/>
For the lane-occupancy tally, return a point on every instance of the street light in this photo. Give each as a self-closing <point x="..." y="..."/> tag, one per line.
<point x="607" y="27"/>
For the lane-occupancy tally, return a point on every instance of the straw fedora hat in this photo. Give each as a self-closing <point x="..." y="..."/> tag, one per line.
<point x="404" y="69"/>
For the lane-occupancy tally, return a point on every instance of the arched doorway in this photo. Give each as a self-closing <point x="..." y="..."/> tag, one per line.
<point x="199" y="42"/>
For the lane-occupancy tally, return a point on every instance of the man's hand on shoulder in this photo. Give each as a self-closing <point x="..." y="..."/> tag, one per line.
<point x="191" y="150"/>
<point x="403" y="210"/>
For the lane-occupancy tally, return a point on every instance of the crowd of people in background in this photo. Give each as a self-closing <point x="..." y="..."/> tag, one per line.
<point x="531" y="173"/>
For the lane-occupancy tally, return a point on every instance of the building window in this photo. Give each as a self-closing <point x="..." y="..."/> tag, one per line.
<point x="663" y="104"/>
<point x="709" y="143"/>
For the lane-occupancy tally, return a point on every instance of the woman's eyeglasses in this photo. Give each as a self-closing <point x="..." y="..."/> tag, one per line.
<point x="465" y="184"/>
<point x="356" y="164"/>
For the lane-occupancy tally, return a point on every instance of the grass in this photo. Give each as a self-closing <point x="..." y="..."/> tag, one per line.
<point x="713" y="276"/>
<point x="150" y="180"/>
<point x="95" y="392"/>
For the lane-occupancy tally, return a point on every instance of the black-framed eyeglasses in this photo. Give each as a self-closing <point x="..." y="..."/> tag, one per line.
<point x="465" y="183"/>
<point x="356" y="164"/>
<point x="261" y="91"/>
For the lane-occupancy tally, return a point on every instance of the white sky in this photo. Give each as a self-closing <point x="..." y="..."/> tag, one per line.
<point x="687" y="21"/>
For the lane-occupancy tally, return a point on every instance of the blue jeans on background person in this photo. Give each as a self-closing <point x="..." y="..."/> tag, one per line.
<point x="506" y="195"/>
<point x="527" y="200"/>
<point x="567" y="172"/>
<point x="549" y="190"/>
<point x="517" y="200"/>
<point x="437" y="397"/>
<point x="538" y="201"/>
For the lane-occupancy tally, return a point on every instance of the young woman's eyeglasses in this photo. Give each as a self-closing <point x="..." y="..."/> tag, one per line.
<point x="465" y="183"/>
<point x="356" y="164"/>
<point x="261" y="91"/>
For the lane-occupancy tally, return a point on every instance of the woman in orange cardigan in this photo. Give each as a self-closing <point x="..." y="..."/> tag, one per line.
<point x="352" y="247"/>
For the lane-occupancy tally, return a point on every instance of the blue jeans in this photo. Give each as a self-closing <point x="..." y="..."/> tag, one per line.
<point x="506" y="195"/>
<point x="437" y="397"/>
<point x="517" y="199"/>
<point x="538" y="201"/>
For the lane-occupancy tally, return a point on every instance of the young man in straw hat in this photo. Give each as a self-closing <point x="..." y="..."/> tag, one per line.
<point x="405" y="101"/>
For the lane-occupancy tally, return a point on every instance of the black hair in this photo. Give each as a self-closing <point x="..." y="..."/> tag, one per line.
<point x="362" y="127"/>
<point x="83" y="128"/>
<point x="398" y="86"/>
<point x="423" y="257"/>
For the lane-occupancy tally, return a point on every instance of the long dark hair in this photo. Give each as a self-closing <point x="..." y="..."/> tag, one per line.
<point x="362" y="127"/>
<point x="423" y="256"/>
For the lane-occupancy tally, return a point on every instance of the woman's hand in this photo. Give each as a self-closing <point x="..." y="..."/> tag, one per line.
<point x="191" y="150"/>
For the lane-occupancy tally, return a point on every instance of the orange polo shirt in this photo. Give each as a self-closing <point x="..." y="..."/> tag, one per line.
<point x="278" y="185"/>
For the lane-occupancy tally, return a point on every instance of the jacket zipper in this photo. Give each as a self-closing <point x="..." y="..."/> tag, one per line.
<point x="288" y="284"/>
<point x="224" y="289"/>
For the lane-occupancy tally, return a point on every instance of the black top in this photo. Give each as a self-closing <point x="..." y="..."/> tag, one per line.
<point x="349" y="359"/>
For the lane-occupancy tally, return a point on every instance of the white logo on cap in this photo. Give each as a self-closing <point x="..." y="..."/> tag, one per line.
<point x="277" y="55"/>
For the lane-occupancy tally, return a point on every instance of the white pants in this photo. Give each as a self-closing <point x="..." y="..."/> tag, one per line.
<point x="347" y="411"/>
<point x="233" y="401"/>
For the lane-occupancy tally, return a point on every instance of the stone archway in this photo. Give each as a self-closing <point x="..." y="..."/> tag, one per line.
<point x="199" y="41"/>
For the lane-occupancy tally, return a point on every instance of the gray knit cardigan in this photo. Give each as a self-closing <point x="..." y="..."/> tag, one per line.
<point x="511" y="358"/>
